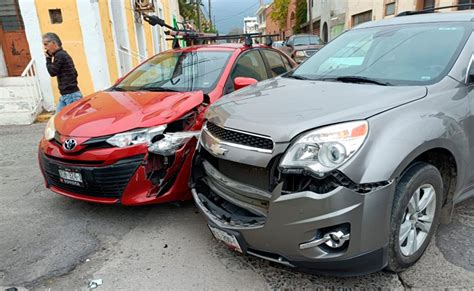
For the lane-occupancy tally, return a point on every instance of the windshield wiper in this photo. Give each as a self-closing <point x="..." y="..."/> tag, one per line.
<point x="118" y="89"/>
<point x="358" y="79"/>
<point x="298" y="77"/>
<point x="155" y="89"/>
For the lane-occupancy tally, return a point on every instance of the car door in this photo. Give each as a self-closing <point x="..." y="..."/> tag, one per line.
<point x="250" y="65"/>
<point x="470" y="92"/>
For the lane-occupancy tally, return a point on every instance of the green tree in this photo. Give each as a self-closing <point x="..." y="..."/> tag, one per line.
<point x="188" y="11"/>
<point x="301" y="17"/>
<point x="280" y="12"/>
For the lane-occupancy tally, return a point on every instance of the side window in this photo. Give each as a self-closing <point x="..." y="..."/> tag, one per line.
<point x="275" y="62"/>
<point x="249" y="65"/>
<point x="288" y="66"/>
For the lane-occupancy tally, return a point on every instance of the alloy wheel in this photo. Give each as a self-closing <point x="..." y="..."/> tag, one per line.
<point x="417" y="220"/>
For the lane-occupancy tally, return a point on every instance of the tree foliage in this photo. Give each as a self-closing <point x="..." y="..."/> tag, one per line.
<point x="280" y="12"/>
<point x="189" y="13"/>
<point x="301" y="15"/>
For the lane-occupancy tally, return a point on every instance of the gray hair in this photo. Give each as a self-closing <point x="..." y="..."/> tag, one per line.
<point x="53" y="37"/>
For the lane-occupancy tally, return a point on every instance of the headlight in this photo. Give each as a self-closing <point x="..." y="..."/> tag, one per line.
<point x="171" y="142"/>
<point x="327" y="148"/>
<point x="140" y="136"/>
<point x="50" y="130"/>
<point x="300" y="54"/>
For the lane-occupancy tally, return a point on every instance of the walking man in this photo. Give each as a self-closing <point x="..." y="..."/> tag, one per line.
<point x="60" y="65"/>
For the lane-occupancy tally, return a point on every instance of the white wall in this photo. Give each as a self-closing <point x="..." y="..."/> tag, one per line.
<point x="33" y="35"/>
<point x="120" y="33"/>
<point x="94" y="45"/>
<point x="3" y="64"/>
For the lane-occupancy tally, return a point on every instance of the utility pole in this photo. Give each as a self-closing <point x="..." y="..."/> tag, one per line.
<point x="198" y="7"/>
<point x="310" y="9"/>
<point x="210" y="18"/>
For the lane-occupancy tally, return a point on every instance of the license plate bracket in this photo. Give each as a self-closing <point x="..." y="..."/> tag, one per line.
<point x="227" y="238"/>
<point x="70" y="176"/>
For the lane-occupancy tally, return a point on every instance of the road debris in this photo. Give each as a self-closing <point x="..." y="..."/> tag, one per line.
<point x="95" y="283"/>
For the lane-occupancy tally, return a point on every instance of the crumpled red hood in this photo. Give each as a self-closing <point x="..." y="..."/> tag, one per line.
<point x="105" y="113"/>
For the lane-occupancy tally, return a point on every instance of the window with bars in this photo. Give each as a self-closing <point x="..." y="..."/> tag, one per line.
<point x="361" y="17"/>
<point x="10" y="17"/>
<point x="390" y="9"/>
<point x="428" y="4"/>
<point x="467" y="6"/>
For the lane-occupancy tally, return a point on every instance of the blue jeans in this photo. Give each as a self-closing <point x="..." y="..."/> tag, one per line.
<point x="68" y="99"/>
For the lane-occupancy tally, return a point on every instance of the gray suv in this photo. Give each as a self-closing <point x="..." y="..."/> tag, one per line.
<point x="347" y="164"/>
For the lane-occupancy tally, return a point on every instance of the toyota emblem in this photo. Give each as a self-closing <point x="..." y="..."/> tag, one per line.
<point x="69" y="144"/>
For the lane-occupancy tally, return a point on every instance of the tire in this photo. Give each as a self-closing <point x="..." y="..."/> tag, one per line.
<point x="403" y="250"/>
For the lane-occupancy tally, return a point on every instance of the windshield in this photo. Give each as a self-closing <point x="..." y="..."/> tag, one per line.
<point x="306" y="40"/>
<point x="177" y="71"/>
<point x="412" y="54"/>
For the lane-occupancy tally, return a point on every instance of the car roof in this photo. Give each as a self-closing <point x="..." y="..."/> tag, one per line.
<point x="461" y="16"/>
<point x="222" y="47"/>
<point x="304" y="34"/>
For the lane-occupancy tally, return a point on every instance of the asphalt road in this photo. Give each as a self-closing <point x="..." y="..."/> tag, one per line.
<point x="50" y="241"/>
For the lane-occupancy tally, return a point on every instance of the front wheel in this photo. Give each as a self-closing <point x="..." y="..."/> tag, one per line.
<point x="415" y="215"/>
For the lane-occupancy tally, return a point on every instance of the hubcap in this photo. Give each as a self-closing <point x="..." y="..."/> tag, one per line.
<point x="417" y="220"/>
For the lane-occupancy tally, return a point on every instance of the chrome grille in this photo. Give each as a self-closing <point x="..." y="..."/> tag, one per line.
<point x="237" y="137"/>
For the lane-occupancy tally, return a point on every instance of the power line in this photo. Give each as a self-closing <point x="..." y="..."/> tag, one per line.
<point x="243" y="11"/>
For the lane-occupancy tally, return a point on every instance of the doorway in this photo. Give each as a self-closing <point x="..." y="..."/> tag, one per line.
<point x="13" y="40"/>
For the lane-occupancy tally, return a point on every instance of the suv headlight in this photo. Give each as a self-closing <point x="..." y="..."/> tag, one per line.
<point x="325" y="149"/>
<point x="139" y="136"/>
<point x="50" y="130"/>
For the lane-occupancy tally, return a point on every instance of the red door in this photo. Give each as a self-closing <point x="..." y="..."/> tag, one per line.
<point x="13" y="39"/>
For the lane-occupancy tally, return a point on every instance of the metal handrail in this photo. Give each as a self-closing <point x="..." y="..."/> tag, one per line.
<point x="131" y="53"/>
<point x="28" y="67"/>
<point x="31" y="85"/>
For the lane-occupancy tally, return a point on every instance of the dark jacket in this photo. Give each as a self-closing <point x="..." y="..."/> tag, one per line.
<point x="62" y="66"/>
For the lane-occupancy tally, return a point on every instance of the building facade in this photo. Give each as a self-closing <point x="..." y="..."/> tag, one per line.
<point x="261" y="15"/>
<point x="371" y="10"/>
<point x="329" y="18"/>
<point x="250" y="25"/>
<point x="106" y="38"/>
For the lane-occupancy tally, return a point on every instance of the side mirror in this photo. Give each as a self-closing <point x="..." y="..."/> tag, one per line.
<point x="241" y="82"/>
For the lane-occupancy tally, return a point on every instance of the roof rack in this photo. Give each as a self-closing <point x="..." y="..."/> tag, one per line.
<point x="246" y="37"/>
<point x="431" y="10"/>
<point x="192" y="37"/>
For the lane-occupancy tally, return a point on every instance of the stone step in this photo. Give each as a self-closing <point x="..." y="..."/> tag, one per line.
<point x="17" y="118"/>
<point x="14" y="81"/>
<point x="17" y="106"/>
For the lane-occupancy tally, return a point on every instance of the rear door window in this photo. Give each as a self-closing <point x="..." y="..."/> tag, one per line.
<point x="275" y="62"/>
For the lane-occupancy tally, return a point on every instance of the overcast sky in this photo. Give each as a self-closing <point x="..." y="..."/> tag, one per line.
<point x="230" y="13"/>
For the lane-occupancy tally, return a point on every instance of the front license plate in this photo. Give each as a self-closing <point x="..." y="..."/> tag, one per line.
<point x="229" y="239"/>
<point x="70" y="176"/>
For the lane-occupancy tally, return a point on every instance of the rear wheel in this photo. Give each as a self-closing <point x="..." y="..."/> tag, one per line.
<point x="415" y="215"/>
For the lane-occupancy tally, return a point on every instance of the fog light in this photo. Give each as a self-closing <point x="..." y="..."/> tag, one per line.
<point x="333" y="239"/>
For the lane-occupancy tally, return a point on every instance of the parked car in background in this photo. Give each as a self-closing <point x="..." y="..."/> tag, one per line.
<point x="133" y="143"/>
<point x="302" y="46"/>
<point x="347" y="164"/>
<point x="278" y="44"/>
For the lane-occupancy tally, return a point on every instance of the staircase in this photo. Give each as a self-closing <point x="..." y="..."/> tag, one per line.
<point x="20" y="98"/>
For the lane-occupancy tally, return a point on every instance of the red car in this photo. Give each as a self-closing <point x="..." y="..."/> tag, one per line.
<point x="133" y="143"/>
